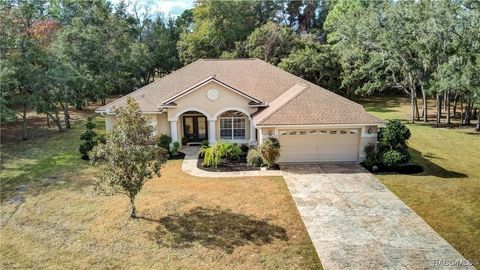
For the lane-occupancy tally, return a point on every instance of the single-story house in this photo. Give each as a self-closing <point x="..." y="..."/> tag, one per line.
<point x="247" y="100"/>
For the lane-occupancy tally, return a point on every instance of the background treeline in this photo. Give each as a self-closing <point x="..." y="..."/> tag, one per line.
<point x="62" y="53"/>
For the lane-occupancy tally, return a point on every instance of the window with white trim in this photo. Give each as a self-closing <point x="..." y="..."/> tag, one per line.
<point x="232" y="126"/>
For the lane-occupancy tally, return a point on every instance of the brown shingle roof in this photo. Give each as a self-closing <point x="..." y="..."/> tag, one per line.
<point x="261" y="81"/>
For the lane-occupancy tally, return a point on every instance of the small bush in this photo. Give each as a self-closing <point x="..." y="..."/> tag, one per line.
<point x="270" y="151"/>
<point x="254" y="158"/>
<point x="370" y="156"/>
<point x="393" y="158"/>
<point x="395" y="134"/>
<point x="233" y="151"/>
<point x="164" y="141"/>
<point x="211" y="156"/>
<point x="204" y="143"/>
<point x="244" y="148"/>
<point x="174" y="149"/>
<point x="88" y="135"/>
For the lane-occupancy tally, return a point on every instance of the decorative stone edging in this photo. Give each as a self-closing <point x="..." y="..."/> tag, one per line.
<point x="189" y="165"/>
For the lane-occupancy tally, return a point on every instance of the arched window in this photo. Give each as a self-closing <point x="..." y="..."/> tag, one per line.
<point x="232" y="125"/>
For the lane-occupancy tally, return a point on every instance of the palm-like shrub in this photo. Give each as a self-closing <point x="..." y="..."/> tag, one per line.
<point x="270" y="151"/>
<point x="213" y="154"/>
<point x="254" y="158"/>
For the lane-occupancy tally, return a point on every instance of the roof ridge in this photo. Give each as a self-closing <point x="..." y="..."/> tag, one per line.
<point x="290" y="94"/>
<point x="143" y="87"/>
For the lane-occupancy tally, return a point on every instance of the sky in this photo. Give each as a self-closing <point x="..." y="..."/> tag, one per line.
<point x="168" y="7"/>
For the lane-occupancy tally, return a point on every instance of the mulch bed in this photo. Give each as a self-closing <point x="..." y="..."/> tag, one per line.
<point x="408" y="168"/>
<point x="231" y="165"/>
<point x="180" y="155"/>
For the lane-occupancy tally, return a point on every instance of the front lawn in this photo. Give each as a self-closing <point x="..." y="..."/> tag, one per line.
<point x="52" y="218"/>
<point x="447" y="194"/>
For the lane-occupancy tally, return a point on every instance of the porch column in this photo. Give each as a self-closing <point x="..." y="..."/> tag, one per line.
<point x="173" y="131"/>
<point x="211" y="131"/>
<point x="253" y="132"/>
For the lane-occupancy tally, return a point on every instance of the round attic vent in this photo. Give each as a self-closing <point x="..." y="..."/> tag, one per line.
<point x="213" y="94"/>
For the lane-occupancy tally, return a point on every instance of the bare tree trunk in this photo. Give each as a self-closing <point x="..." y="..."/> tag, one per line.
<point x="461" y="111"/>
<point x="445" y="100"/>
<point x="425" y="105"/>
<point x="468" y="112"/>
<point x="417" y="111"/>
<point x="57" y="120"/>
<point x="439" y="107"/>
<point x="132" y="206"/>
<point x="478" y="121"/>
<point x="447" y="103"/>
<point x="24" y="124"/>
<point x="103" y="101"/>
<point x="66" y="116"/>
<point x="455" y="100"/>
<point x="412" y="100"/>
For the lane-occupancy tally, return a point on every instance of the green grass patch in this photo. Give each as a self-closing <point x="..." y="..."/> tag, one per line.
<point x="42" y="160"/>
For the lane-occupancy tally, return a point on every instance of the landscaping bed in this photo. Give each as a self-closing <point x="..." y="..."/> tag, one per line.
<point x="408" y="168"/>
<point x="232" y="165"/>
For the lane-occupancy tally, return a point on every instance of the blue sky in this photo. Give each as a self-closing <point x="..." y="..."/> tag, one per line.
<point x="168" y="7"/>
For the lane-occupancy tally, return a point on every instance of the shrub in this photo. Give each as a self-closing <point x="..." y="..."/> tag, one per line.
<point x="232" y="151"/>
<point x="370" y="155"/>
<point x="245" y="148"/>
<point x="270" y="151"/>
<point x="254" y="158"/>
<point x="393" y="158"/>
<point x="204" y="143"/>
<point x="87" y="136"/>
<point x="101" y="139"/>
<point x="164" y="141"/>
<point x="211" y="156"/>
<point x="174" y="149"/>
<point x="395" y="134"/>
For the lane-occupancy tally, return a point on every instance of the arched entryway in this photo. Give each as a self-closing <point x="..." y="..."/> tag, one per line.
<point x="194" y="126"/>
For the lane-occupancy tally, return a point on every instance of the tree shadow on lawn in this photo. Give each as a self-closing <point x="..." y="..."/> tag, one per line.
<point x="214" y="228"/>
<point x="431" y="168"/>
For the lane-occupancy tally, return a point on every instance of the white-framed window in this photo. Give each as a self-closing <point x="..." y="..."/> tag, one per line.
<point x="282" y="132"/>
<point x="232" y="128"/>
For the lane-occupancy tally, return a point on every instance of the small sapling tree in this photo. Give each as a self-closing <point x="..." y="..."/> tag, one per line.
<point x="130" y="155"/>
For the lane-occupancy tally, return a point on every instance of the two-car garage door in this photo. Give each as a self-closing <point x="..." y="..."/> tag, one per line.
<point x="319" y="145"/>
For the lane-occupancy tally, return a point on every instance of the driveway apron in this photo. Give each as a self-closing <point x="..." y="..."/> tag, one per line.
<point x="355" y="222"/>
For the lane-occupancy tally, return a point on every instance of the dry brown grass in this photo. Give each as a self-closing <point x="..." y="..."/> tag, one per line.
<point x="188" y="223"/>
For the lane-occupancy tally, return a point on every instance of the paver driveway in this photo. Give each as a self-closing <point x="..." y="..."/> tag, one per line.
<point x="355" y="222"/>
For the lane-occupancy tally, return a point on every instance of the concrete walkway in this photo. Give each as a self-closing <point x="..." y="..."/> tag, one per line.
<point x="355" y="222"/>
<point x="190" y="161"/>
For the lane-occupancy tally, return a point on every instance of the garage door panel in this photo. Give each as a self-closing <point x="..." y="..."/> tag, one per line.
<point x="319" y="148"/>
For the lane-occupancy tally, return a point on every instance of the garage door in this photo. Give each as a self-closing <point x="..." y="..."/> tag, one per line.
<point x="319" y="145"/>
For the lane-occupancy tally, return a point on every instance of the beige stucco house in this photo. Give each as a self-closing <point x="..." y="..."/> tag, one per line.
<point x="247" y="100"/>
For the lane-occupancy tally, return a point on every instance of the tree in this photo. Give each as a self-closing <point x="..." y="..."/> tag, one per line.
<point x="270" y="42"/>
<point x="316" y="63"/>
<point x="130" y="155"/>
<point x="216" y="26"/>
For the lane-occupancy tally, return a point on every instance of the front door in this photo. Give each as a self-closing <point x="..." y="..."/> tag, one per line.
<point x="195" y="128"/>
